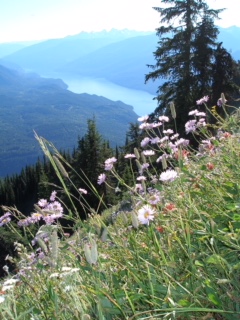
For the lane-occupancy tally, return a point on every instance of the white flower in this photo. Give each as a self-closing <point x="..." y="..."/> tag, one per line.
<point x="143" y="118"/>
<point x="81" y="190"/>
<point x="168" y="175"/>
<point x="148" y="152"/>
<point x="145" y="214"/>
<point x="141" y="178"/>
<point x="9" y="287"/>
<point x="1" y="299"/>
<point x="129" y="156"/>
<point x="163" y="119"/>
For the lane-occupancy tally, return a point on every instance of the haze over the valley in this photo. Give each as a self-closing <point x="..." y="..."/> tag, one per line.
<point x="28" y="20"/>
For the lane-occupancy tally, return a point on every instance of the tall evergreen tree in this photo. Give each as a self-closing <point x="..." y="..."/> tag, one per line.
<point x="185" y="53"/>
<point x="88" y="162"/>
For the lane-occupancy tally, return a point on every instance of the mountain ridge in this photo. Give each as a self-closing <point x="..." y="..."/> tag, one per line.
<point x="30" y="103"/>
<point x="67" y="55"/>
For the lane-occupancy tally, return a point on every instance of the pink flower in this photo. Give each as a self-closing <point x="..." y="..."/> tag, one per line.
<point x="53" y="195"/>
<point x="202" y="100"/>
<point x="109" y="163"/>
<point x="101" y="178"/>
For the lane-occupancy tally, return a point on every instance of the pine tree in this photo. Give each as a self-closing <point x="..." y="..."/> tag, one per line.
<point x="226" y="74"/>
<point x="88" y="162"/>
<point x="183" y="60"/>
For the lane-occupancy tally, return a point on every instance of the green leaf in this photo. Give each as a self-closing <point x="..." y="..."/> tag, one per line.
<point x="214" y="299"/>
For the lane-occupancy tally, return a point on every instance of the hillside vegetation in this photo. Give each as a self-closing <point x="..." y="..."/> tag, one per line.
<point x="31" y="103"/>
<point x="168" y="251"/>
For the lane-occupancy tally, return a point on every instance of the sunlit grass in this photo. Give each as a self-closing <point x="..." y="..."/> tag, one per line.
<point x="183" y="264"/>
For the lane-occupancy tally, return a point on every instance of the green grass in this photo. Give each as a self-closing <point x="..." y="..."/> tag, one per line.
<point x="184" y="264"/>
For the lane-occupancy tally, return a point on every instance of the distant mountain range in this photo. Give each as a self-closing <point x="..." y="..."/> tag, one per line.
<point x="30" y="103"/>
<point x="120" y="56"/>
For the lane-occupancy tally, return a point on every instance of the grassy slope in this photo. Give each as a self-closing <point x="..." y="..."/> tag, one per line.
<point x="183" y="265"/>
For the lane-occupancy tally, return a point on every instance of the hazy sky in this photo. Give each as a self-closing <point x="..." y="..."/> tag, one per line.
<point x="23" y="20"/>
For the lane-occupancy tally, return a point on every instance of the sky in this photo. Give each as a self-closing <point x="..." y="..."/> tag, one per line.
<point x="27" y="20"/>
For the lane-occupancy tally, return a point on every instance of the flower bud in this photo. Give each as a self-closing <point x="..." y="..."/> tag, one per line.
<point x="173" y="110"/>
<point x="135" y="222"/>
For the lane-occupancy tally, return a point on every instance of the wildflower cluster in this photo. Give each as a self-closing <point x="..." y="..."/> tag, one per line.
<point x="47" y="211"/>
<point x="181" y="217"/>
<point x="5" y="219"/>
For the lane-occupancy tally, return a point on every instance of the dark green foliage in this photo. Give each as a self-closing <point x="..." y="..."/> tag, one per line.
<point x="186" y="57"/>
<point x="88" y="163"/>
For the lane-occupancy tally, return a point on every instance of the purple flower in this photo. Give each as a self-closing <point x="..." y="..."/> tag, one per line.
<point x="168" y="175"/>
<point x="220" y="102"/>
<point x="145" y="166"/>
<point x="25" y="222"/>
<point x="42" y="203"/>
<point x="101" y="178"/>
<point x="5" y="219"/>
<point x="55" y="206"/>
<point x="182" y="142"/>
<point x="164" y="139"/>
<point x="138" y="187"/>
<point x="202" y="100"/>
<point x="145" y="142"/>
<point x="35" y="217"/>
<point x="190" y="126"/>
<point x="155" y="140"/>
<point x="155" y="198"/>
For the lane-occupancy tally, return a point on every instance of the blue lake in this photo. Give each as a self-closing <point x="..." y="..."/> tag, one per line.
<point x="141" y="101"/>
